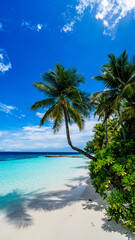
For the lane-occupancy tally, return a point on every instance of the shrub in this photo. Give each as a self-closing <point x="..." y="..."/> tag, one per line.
<point x="113" y="176"/>
<point x="89" y="147"/>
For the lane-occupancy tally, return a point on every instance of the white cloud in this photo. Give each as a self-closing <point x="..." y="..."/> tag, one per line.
<point x="110" y="12"/>
<point x="105" y="23"/>
<point x="11" y="110"/>
<point x="6" y="108"/>
<point x="40" y="115"/>
<point x="34" y="27"/>
<point x="34" y="138"/>
<point x="5" y="64"/>
<point x="1" y="57"/>
<point x="69" y="26"/>
<point x="39" y="26"/>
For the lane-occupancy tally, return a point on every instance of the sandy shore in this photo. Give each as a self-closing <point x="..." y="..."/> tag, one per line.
<point x="62" y="215"/>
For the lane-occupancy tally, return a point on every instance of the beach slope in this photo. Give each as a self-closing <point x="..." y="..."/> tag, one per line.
<point x="76" y="212"/>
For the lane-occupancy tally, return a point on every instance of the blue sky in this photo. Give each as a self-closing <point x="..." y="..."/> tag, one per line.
<point x="34" y="36"/>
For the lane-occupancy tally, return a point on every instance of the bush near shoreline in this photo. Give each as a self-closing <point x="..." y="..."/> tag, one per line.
<point x="113" y="176"/>
<point x="113" y="143"/>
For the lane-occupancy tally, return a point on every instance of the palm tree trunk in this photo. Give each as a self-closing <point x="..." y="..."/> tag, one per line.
<point x="106" y="132"/>
<point x="70" y="143"/>
<point x="122" y="127"/>
<point x="123" y="130"/>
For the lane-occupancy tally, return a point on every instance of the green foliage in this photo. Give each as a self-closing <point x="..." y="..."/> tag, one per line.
<point x="127" y="115"/>
<point x="113" y="176"/>
<point x="118" y="76"/>
<point x="62" y="96"/>
<point x="63" y="100"/>
<point x="99" y="137"/>
<point x="98" y="141"/>
<point x="89" y="147"/>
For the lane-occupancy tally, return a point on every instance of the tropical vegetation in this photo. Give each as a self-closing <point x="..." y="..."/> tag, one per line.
<point x="98" y="142"/>
<point x="112" y="148"/>
<point x="113" y="174"/>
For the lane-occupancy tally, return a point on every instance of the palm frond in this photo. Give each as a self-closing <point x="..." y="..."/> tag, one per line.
<point x="47" y="90"/>
<point x="128" y="90"/>
<point x="47" y="116"/>
<point x="57" y="115"/>
<point x="62" y="87"/>
<point x="50" y="78"/>
<point x="75" y="115"/>
<point x="43" y="104"/>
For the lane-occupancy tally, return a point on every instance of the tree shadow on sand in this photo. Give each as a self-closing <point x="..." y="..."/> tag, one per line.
<point x="81" y="167"/>
<point x="14" y="206"/>
<point x="92" y="200"/>
<point x="112" y="226"/>
<point x="17" y="206"/>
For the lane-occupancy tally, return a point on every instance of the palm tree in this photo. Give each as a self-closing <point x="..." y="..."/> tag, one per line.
<point x="127" y="115"/>
<point x="65" y="100"/>
<point x="118" y="76"/>
<point x="102" y="109"/>
<point x="99" y="137"/>
<point x="103" y="105"/>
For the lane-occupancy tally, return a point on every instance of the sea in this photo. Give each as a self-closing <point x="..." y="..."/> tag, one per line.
<point x="27" y="173"/>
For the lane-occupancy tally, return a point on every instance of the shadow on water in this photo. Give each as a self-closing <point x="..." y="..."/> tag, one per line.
<point x="87" y="162"/>
<point x="14" y="206"/>
<point x="80" y="179"/>
<point x="82" y="167"/>
<point x="17" y="205"/>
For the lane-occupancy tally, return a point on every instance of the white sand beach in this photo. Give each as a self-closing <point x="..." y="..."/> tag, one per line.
<point x="75" y="212"/>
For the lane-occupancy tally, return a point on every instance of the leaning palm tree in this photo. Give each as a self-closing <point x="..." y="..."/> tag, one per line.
<point x="118" y="76"/>
<point x="65" y="101"/>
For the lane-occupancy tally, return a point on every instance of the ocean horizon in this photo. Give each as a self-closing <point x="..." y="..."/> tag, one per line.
<point x="10" y="154"/>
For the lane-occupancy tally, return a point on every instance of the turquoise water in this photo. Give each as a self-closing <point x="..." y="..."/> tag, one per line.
<point x="24" y="176"/>
<point x="36" y="173"/>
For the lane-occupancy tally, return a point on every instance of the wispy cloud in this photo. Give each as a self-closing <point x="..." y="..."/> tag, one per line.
<point x="7" y="108"/>
<point x="35" y="27"/>
<point x="34" y="138"/>
<point x="110" y="12"/>
<point x="5" y="63"/>
<point x="40" y="115"/>
<point x="68" y="27"/>
<point x="11" y="110"/>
